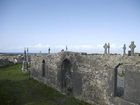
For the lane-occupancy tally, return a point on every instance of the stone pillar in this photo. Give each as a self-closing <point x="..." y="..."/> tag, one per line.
<point x="66" y="48"/>
<point x="108" y="48"/>
<point x="27" y="55"/>
<point x="124" y="49"/>
<point x="105" y="48"/>
<point x="132" y="47"/>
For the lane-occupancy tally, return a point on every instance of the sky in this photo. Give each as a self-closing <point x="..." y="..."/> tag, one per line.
<point x="82" y="25"/>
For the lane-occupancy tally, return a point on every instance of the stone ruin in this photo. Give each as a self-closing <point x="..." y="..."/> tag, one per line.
<point x="99" y="79"/>
<point x="7" y="59"/>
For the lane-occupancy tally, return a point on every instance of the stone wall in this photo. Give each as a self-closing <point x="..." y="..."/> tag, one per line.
<point x="132" y="83"/>
<point x="86" y="77"/>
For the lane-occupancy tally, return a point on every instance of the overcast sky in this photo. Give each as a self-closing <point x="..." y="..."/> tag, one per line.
<point x="82" y="25"/>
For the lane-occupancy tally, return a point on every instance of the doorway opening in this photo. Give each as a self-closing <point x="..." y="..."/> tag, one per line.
<point x="66" y="77"/>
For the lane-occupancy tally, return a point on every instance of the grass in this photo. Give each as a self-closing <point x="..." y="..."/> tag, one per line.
<point x="16" y="88"/>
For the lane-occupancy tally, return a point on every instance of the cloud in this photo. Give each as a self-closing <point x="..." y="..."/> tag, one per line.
<point x="100" y="45"/>
<point x="81" y="46"/>
<point x="59" y="46"/>
<point x="38" y="46"/>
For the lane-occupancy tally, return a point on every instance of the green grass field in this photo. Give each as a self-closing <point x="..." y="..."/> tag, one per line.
<point x="16" y="88"/>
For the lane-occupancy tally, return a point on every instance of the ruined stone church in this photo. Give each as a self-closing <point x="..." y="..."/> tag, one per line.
<point x="102" y="79"/>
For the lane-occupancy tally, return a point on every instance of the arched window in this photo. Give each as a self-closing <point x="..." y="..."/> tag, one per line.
<point x="43" y="68"/>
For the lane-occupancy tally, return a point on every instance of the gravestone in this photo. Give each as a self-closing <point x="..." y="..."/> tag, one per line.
<point x="129" y="53"/>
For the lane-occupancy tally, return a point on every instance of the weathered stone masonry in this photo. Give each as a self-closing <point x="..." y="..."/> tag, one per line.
<point x="89" y="77"/>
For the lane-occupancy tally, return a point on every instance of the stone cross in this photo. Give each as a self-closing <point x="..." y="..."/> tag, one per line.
<point x="49" y="51"/>
<point x="25" y="54"/>
<point x="108" y="48"/>
<point x="105" y="47"/>
<point x="25" y="62"/>
<point x="124" y="49"/>
<point x="132" y="47"/>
